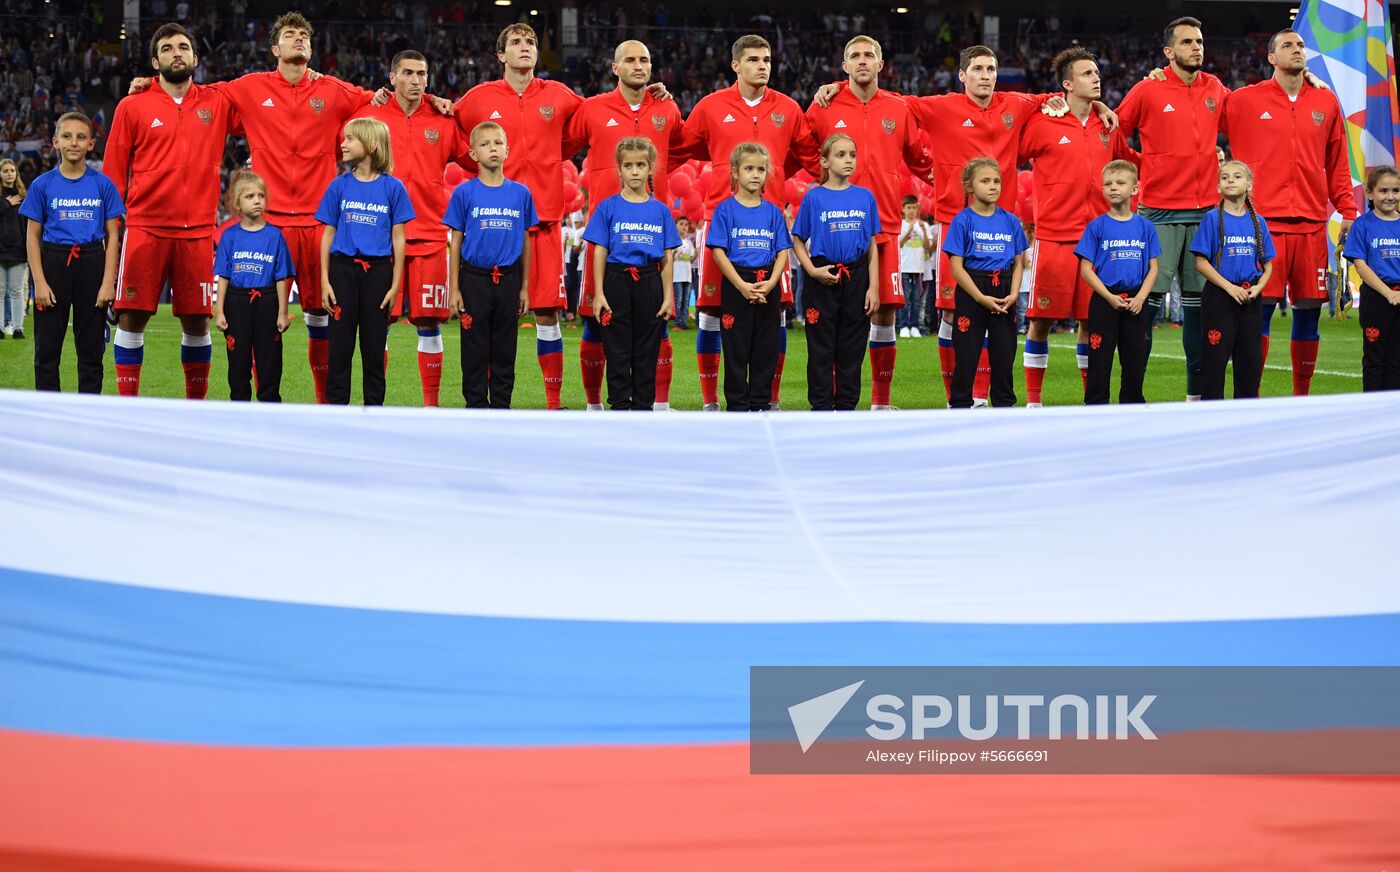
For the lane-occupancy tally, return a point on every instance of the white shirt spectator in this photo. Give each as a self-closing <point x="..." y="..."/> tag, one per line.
<point x="683" y="261"/>
<point x="911" y="251"/>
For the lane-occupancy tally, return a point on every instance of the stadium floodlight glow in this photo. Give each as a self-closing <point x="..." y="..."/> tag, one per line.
<point x="901" y="9"/>
<point x="503" y="2"/>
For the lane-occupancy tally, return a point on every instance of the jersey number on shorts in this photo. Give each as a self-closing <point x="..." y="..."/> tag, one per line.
<point x="897" y="283"/>
<point x="434" y="296"/>
<point x="207" y="290"/>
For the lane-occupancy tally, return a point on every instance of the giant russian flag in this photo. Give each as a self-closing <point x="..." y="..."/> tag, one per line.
<point x="304" y="638"/>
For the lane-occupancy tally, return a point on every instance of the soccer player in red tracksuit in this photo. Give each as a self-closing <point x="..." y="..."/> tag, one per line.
<point x="600" y="124"/>
<point x="886" y="135"/>
<point x="164" y="158"/>
<point x="1290" y="134"/>
<point x="980" y="122"/>
<point x="425" y="142"/>
<point x="1067" y="155"/>
<point x="1178" y="118"/>
<point x="749" y="111"/>
<point x="534" y="114"/>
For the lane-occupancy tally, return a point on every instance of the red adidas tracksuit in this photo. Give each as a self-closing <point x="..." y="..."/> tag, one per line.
<point x="886" y="136"/>
<point x="960" y="130"/>
<point x="1067" y="157"/>
<point x="1179" y="124"/>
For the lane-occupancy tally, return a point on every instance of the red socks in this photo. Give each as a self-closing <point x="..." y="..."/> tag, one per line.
<point x="591" y="362"/>
<point x="1263" y="351"/>
<point x="128" y="379"/>
<point x="549" y="348"/>
<point x="195" y="355"/>
<point x="882" y="355"/>
<point x="707" y="356"/>
<point x="1304" y="353"/>
<point x="982" y="382"/>
<point x="778" y="378"/>
<point x="663" y="373"/>
<point x="946" y="357"/>
<point x="430" y="364"/>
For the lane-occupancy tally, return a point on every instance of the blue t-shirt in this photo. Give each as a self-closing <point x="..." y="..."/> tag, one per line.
<point x="73" y="211"/>
<point x="1376" y="241"/>
<point x="1239" y="262"/>
<point x="493" y="221"/>
<point x="751" y="236"/>
<point x="635" y="234"/>
<point x="364" y="214"/>
<point x="1121" y="251"/>
<point x="985" y="242"/>
<point x="837" y="225"/>
<point x="253" y="258"/>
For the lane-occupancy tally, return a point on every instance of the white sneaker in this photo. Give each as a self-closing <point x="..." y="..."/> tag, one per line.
<point x="980" y="403"/>
<point x="594" y="407"/>
<point x="916" y="333"/>
<point x="1193" y="398"/>
<point x="710" y="407"/>
<point x="774" y="407"/>
<point x="1034" y="406"/>
<point x="884" y="408"/>
<point x="904" y="333"/>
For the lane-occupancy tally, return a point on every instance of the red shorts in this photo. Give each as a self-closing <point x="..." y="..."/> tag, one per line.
<point x="547" y="268"/>
<point x="947" y="285"/>
<point x="425" y="286"/>
<point x="148" y="262"/>
<point x="1059" y="291"/>
<point x="891" y="285"/>
<point x="1300" y="267"/>
<point x="304" y="244"/>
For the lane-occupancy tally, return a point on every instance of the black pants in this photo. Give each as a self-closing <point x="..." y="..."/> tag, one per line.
<point x="837" y="330"/>
<point x="75" y="274"/>
<point x="1230" y="332"/>
<point x="252" y="330"/>
<point x="1131" y="336"/>
<point x="972" y="323"/>
<point x="360" y="285"/>
<point x="489" y="334"/>
<point x="632" y="335"/>
<point x="1380" y="345"/>
<point x="749" y="334"/>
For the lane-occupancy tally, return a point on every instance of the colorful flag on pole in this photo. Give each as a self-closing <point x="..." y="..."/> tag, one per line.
<point x="1349" y="47"/>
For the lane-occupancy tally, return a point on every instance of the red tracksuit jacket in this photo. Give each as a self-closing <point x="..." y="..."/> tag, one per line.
<point x="1067" y="158"/>
<point x="1298" y="152"/>
<point x="606" y="119"/>
<point x="886" y="136"/>
<point x="1179" y="124"/>
<point x="294" y="133"/>
<point x="164" y="159"/>
<point x="960" y="130"/>
<point x="423" y="143"/>
<point x="534" y="123"/>
<point x="722" y="120"/>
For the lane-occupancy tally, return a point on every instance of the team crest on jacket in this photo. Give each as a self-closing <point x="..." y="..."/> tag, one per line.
<point x="778" y="118"/>
<point x="658" y="121"/>
<point x="431" y="134"/>
<point x="205" y="115"/>
<point x="1103" y="137"/>
<point x="1318" y="117"/>
<point x="547" y="113"/>
<point x="317" y="105"/>
<point x="1210" y="104"/>
<point x="1008" y="120"/>
<point x="887" y="125"/>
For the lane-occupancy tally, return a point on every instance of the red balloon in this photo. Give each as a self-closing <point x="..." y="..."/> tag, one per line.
<point x="570" y="171"/>
<point x="571" y="192"/>
<point x="687" y="170"/>
<point x="793" y="191"/>
<point x="703" y="181"/>
<point x="804" y="177"/>
<point x="926" y="204"/>
<point x="681" y="184"/>
<point x="454" y="175"/>
<point x="1025" y="181"/>
<point x="907" y="187"/>
<point x="575" y="204"/>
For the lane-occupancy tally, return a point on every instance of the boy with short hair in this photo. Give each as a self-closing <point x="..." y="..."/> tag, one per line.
<point x="489" y="268"/>
<point x="73" y="213"/>
<point x="913" y="248"/>
<point x="1118" y="259"/>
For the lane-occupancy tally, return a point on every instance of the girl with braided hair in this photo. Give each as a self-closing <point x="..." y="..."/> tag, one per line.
<point x="1234" y="254"/>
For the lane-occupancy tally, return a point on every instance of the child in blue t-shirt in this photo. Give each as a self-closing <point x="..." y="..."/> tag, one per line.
<point x="72" y="250"/>
<point x="1234" y="254"/>
<point x="748" y="238"/>
<point x="252" y="265"/>
<point x="1118" y="255"/>
<point x="1373" y="247"/>
<point x="834" y="241"/>
<point x="362" y="253"/>
<point x="634" y="238"/>
<point x="986" y="251"/>
<point x="488" y="269"/>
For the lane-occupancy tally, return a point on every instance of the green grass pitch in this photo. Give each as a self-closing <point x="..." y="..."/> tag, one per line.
<point x="917" y="383"/>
